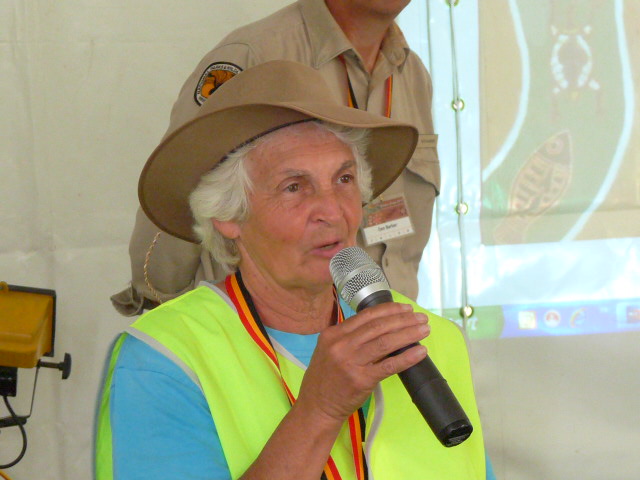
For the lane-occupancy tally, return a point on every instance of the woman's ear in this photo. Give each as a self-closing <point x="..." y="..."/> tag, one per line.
<point x="228" y="229"/>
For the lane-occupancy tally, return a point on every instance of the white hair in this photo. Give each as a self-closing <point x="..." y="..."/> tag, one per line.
<point x="222" y="193"/>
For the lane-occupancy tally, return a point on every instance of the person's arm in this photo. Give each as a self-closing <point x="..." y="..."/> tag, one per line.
<point x="161" y="426"/>
<point x="349" y="361"/>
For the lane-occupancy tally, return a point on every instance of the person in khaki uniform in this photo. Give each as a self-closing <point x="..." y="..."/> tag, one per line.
<point x="363" y="56"/>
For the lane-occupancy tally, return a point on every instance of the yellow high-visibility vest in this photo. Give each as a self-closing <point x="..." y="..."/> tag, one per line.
<point x="247" y="400"/>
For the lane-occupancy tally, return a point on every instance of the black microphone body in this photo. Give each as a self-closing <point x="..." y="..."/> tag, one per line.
<point x="362" y="284"/>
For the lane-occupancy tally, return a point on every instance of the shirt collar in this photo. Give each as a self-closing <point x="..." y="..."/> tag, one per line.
<point x="395" y="47"/>
<point x="329" y="41"/>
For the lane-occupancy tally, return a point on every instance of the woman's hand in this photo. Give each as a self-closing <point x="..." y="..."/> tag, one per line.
<point x="353" y="357"/>
<point x="350" y="360"/>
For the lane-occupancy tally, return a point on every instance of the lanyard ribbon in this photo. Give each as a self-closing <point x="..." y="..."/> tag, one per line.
<point x="251" y="321"/>
<point x="388" y="91"/>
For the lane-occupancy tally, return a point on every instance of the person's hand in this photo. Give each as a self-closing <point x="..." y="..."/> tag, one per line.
<point x="353" y="357"/>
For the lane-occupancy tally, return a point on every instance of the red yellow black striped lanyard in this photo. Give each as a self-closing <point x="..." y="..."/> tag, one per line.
<point x="252" y="323"/>
<point x="388" y="91"/>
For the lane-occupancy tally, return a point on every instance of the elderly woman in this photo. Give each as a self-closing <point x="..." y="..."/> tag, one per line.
<point x="261" y="376"/>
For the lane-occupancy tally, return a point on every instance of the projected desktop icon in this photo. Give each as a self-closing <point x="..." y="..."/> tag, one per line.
<point x="552" y="318"/>
<point x="527" y="320"/>
<point x="578" y="318"/>
<point x="628" y="314"/>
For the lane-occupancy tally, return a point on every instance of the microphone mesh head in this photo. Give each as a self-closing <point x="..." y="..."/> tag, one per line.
<point x="352" y="270"/>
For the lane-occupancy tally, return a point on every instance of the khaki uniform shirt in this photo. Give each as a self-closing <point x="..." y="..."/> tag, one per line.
<point x="164" y="267"/>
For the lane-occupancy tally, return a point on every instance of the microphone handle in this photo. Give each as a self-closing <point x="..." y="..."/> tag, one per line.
<point x="429" y="390"/>
<point x="436" y="402"/>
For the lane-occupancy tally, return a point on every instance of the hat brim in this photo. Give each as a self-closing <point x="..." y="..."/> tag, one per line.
<point x="176" y="166"/>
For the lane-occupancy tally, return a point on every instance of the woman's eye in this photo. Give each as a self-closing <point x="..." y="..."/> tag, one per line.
<point x="292" y="188"/>
<point x="346" y="178"/>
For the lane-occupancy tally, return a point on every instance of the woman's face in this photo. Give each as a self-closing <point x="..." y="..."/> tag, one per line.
<point x="305" y="207"/>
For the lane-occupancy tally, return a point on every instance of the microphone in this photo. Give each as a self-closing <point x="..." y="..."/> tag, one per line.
<point x="362" y="284"/>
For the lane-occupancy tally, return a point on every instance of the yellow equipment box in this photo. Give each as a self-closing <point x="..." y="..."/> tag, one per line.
<point x="27" y="318"/>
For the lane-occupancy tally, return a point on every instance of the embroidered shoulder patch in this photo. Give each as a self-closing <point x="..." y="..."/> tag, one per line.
<point x="214" y="76"/>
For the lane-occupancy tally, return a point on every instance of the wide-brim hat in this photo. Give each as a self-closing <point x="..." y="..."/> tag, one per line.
<point x="258" y="100"/>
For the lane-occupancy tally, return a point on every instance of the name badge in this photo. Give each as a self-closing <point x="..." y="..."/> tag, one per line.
<point x="385" y="220"/>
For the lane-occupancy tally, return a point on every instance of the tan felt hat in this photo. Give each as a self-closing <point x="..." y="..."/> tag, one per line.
<point x="254" y="102"/>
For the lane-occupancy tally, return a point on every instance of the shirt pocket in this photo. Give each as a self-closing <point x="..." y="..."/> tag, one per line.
<point x="424" y="161"/>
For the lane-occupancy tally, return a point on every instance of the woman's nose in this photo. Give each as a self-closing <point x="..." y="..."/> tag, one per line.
<point x="328" y="206"/>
